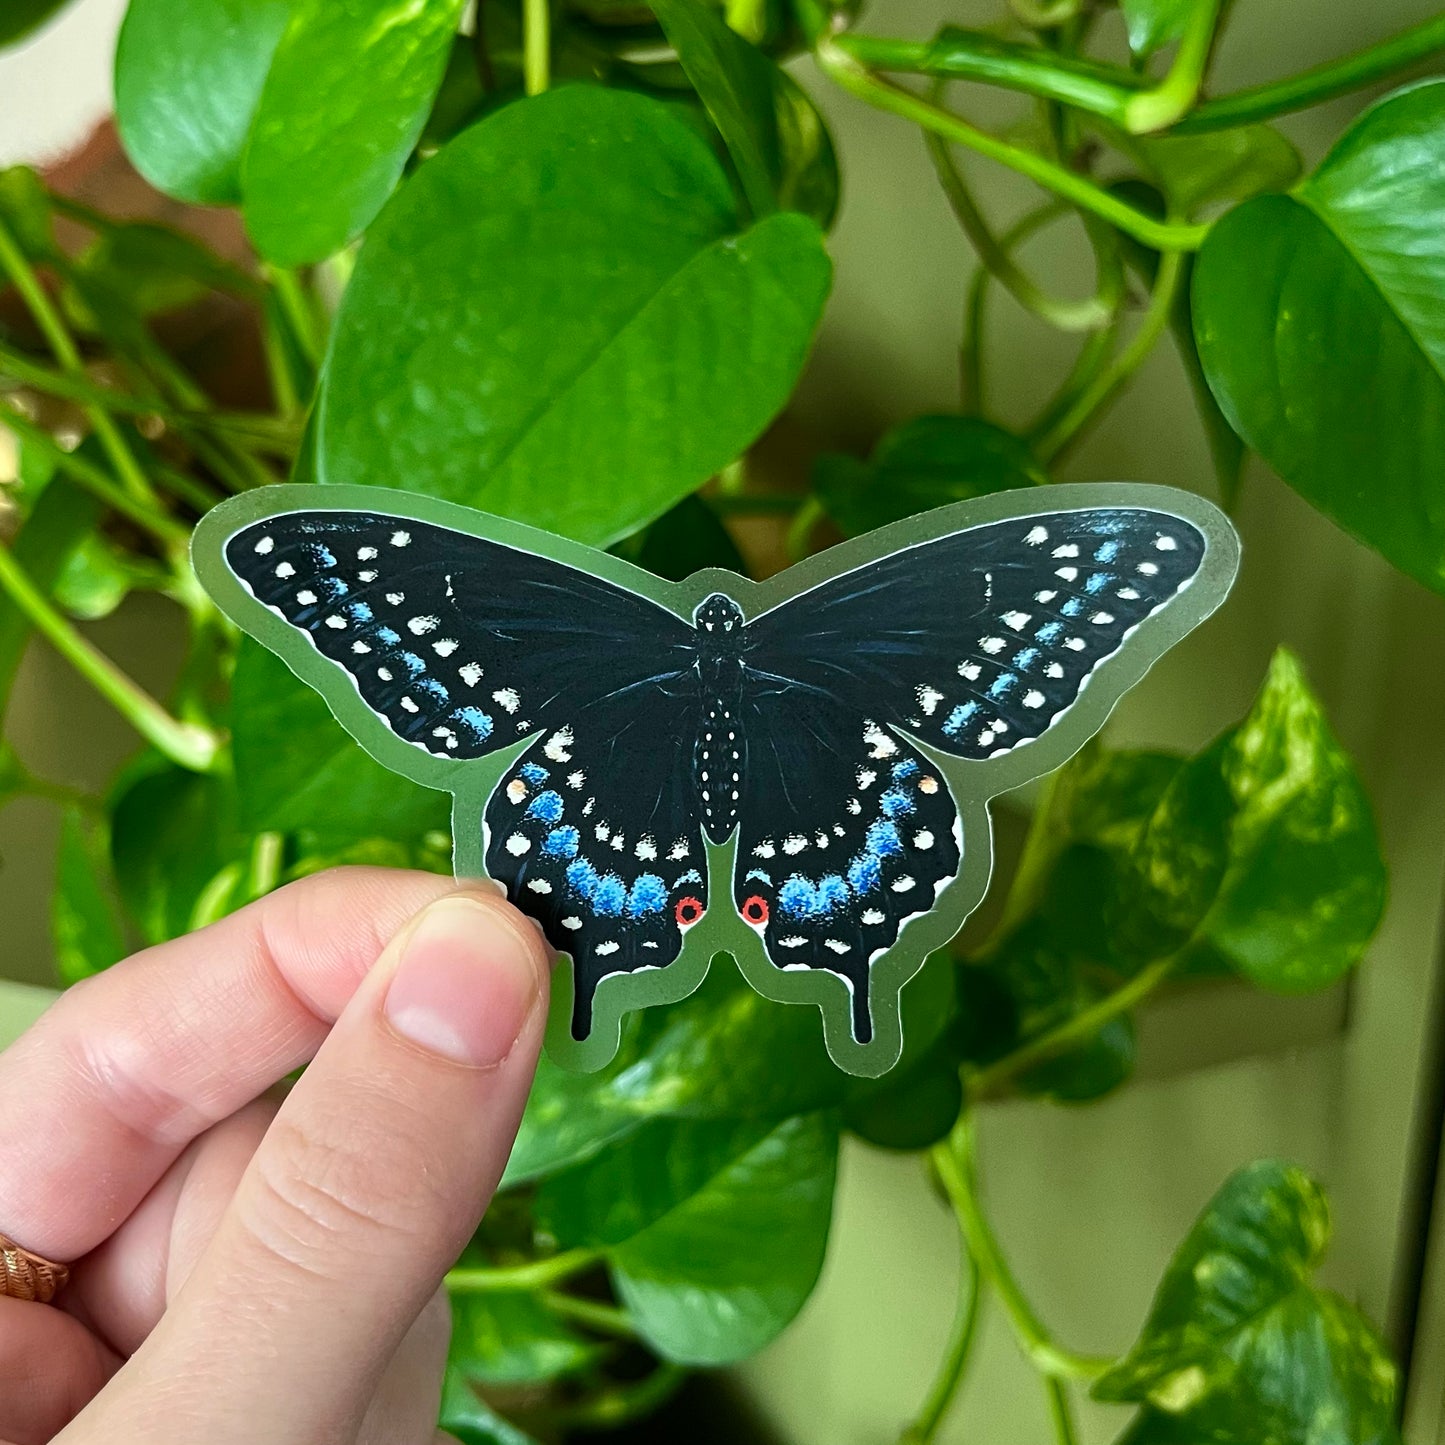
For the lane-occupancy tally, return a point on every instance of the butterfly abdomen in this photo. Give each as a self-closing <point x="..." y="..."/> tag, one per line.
<point x="719" y="754"/>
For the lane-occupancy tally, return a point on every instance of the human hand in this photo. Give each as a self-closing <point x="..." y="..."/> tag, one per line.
<point x="250" y="1266"/>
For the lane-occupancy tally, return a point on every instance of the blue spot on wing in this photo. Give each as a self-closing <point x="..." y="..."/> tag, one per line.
<point x="546" y="806"/>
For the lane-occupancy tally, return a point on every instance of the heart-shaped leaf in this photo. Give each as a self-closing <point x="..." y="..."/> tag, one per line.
<point x="348" y="92"/>
<point x="715" y="1232"/>
<point x="1240" y="1346"/>
<point x="521" y="338"/>
<point x="188" y="77"/>
<point x="926" y="462"/>
<point x="1319" y="327"/>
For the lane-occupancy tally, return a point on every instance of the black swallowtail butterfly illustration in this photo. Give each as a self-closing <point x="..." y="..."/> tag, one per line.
<point x="836" y="727"/>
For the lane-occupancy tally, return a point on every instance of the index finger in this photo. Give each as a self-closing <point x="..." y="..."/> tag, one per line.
<point x="125" y="1069"/>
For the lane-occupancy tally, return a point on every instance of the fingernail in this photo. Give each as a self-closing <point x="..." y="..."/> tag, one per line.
<point x="466" y="983"/>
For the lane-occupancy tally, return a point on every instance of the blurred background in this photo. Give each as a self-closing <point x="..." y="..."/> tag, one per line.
<point x="1090" y="1202"/>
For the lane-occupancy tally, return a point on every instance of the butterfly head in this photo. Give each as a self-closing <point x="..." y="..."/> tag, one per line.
<point x="720" y="617"/>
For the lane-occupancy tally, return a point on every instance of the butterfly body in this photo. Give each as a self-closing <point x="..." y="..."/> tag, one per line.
<point x="795" y="772"/>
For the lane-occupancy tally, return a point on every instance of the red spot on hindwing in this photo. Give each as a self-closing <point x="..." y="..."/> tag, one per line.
<point x="755" y="910"/>
<point x="687" y="910"/>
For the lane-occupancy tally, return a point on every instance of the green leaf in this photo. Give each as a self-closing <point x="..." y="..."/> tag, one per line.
<point x="570" y="1117"/>
<point x="776" y="138"/>
<point x="140" y="269"/>
<point x="1062" y="946"/>
<point x="1240" y="1346"/>
<point x="297" y="769"/>
<point x="188" y="78"/>
<point x="25" y="209"/>
<point x="1263" y="848"/>
<point x="98" y="576"/>
<point x="712" y="1056"/>
<point x="1153" y="24"/>
<point x="504" y="1338"/>
<point x="916" y="1102"/>
<point x="348" y="92"/>
<point x="20" y="18"/>
<point x="173" y="840"/>
<point x="521" y="338"/>
<point x="1218" y="167"/>
<point x="683" y="541"/>
<point x="924" y="463"/>
<point x="85" y="918"/>
<point x="1318" y="327"/>
<point x="467" y="1416"/>
<point x="728" y="1264"/>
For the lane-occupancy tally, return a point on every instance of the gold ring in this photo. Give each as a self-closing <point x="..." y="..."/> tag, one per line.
<point x="28" y="1276"/>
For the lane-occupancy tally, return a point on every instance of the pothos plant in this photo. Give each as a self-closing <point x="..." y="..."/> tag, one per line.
<point x="564" y="260"/>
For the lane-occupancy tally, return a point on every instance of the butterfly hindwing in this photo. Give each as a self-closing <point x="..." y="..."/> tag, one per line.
<point x="980" y="641"/>
<point x="597" y="835"/>
<point x="847" y="832"/>
<point x="457" y="644"/>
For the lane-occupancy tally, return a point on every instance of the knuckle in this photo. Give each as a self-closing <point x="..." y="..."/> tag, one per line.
<point x="319" y="1193"/>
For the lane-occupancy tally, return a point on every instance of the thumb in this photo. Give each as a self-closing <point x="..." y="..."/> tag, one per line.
<point x="363" y="1192"/>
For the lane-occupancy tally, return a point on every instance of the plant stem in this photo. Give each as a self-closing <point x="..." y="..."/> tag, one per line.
<point x="800" y="529"/>
<point x="970" y="348"/>
<point x="537" y="1274"/>
<point x="1061" y="1413"/>
<point x="956" y="1164"/>
<point x="957" y="54"/>
<point x="604" y="1319"/>
<point x="265" y="864"/>
<point x="536" y="45"/>
<point x="296" y="307"/>
<point x="159" y="524"/>
<point x="954" y="1365"/>
<point x="1081" y="192"/>
<point x="1323" y="82"/>
<point x="1086" y="315"/>
<point x="184" y="744"/>
<point x="1098" y="391"/>
<point x="989" y="1082"/>
<point x="1104" y="90"/>
<point x="1163" y="104"/>
<point x="22" y="275"/>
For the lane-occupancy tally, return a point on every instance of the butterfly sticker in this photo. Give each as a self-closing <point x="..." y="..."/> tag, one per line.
<point x="794" y="772"/>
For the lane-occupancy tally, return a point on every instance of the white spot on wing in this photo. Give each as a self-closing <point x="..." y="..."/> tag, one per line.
<point x="517" y="844"/>
<point x="471" y="673"/>
<point x="507" y="697"/>
<point x="265" y="545"/>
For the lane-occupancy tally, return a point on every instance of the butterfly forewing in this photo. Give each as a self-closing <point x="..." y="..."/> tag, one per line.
<point x="981" y="641"/>
<point x="597" y="834"/>
<point x="459" y="645"/>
